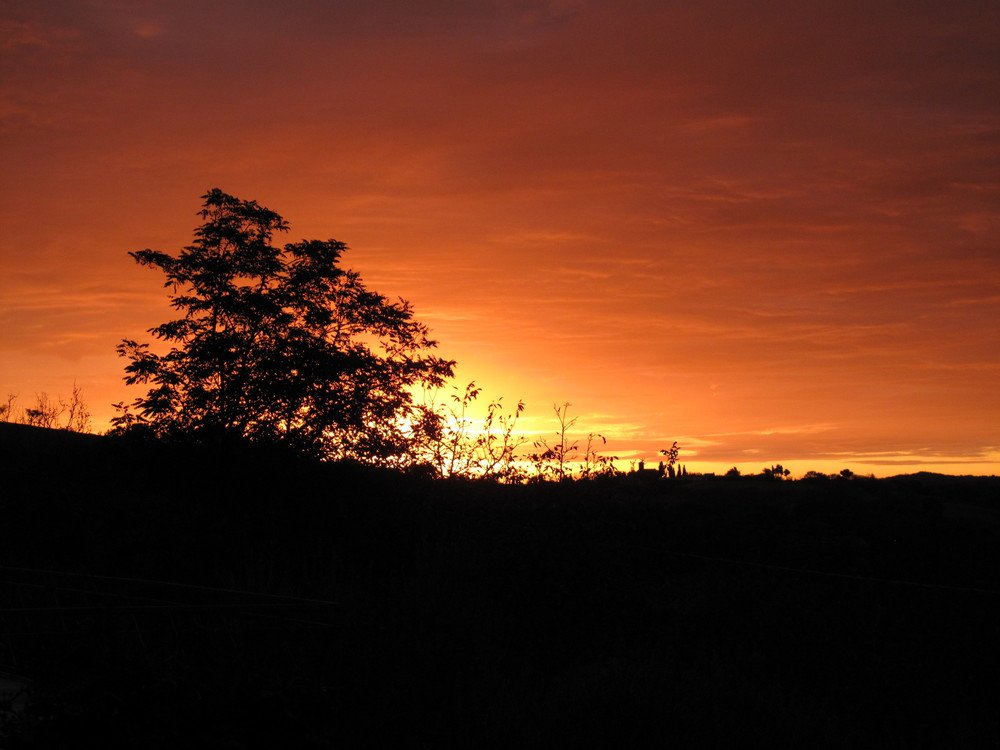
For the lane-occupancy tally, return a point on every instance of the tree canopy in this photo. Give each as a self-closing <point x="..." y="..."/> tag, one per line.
<point x="277" y="344"/>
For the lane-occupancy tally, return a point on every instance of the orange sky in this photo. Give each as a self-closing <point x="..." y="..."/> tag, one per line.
<point x="768" y="230"/>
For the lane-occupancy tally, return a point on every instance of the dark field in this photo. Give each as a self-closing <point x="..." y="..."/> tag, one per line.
<point x="339" y="606"/>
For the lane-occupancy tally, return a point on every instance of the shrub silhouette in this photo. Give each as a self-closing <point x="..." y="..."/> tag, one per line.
<point x="561" y="459"/>
<point x="450" y="443"/>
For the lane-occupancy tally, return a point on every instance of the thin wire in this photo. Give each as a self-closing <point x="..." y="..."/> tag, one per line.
<point x="810" y="571"/>
<point x="303" y="601"/>
<point x="128" y="607"/>
<point x="193" y="586"/>
<point x="69" y="589"/>
<point x="91" y="592"/>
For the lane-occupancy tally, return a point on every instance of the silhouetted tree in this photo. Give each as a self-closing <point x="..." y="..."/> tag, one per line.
<point x="277" y="344"/>
<point x="77" y="413"/>
<point x="45" y="413"/>
<point x="777" y="472"/>
<point x="7" y="411"/>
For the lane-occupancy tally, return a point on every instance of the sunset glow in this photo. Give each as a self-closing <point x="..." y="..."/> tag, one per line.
<point x="768" y="231"/>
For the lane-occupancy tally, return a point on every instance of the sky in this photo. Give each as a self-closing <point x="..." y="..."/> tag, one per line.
<point x="769" y="231"/>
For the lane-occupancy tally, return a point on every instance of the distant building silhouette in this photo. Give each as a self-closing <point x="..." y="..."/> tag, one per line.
<point x="650" y="474"/>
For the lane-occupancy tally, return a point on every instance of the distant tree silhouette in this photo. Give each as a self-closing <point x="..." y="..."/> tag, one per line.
<point x="277" y="344"/>
<point x="48" y="413"/>
<point x="777" y="472"/>
<point x="7" y="410"/>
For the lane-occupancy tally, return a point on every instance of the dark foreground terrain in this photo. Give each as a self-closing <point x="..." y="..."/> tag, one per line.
<point x="153" y="596"/>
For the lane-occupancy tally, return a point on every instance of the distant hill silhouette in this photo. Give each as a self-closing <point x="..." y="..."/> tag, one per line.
<point x="932" y="475"/>
<point x="30" y="438"/>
